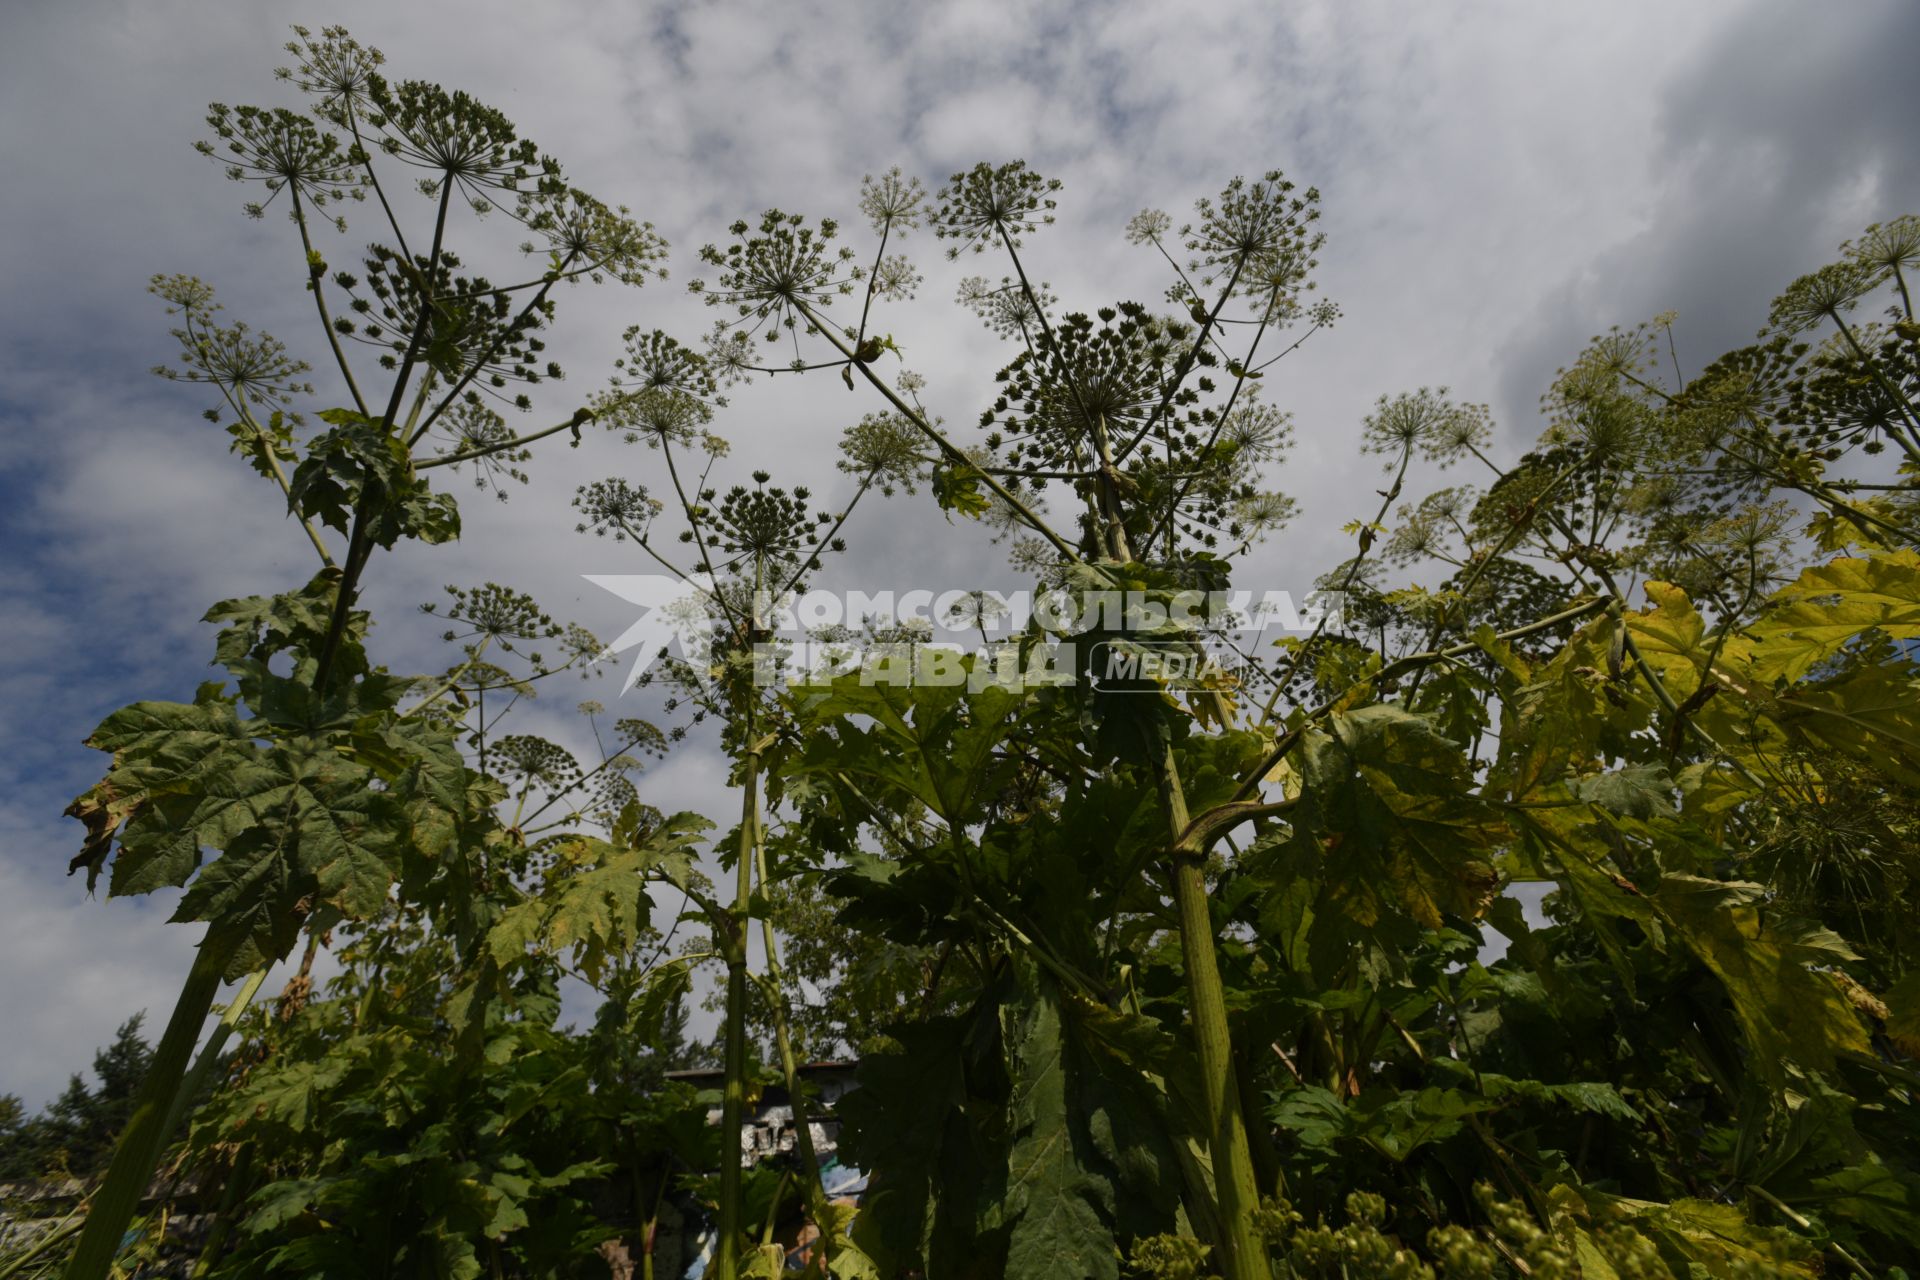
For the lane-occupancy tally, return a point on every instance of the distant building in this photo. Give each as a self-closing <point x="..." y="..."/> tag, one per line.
<point x="769" y="1129"/>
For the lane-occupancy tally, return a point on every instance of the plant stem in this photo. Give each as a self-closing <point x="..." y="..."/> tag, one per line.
<point x="223" y="1219"/>
<point x="1118" y="547"/>
<point x="734" y="1100"/>
<point x="44" y="1245"/>
<point x="1799" y="1220"/>
<point x="138" y="1150"/>
<point x="1243" y="1253"/>
<point x="814" y="1190"/>
<point x="316" y="286"/>
<point x="579" y="419"/>
<point x="1909" y="440"/>
<point x="947" y="448"/>
<point x="203" y="1065"/>
<point x="1388" y="497"/>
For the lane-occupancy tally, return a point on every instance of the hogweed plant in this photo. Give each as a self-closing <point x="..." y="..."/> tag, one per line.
<point x="744" y="551"/>
<point x="1121" y="407"/>
<point x="1375" y="785"/>
<point x="305" y="774"/>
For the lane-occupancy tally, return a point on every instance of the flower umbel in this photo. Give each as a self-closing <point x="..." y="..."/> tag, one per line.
<point x="768" y="273"/>
<point x="1821" y="295"/>
<point x="246" y="366"/>
<point x="985" y="205"/>
<point x="334" y="67"/>
<point x="283" y="151"/>
<point x="654" y="360"/>
<point x="892" y="202"/>
<point x="1425" y="419"/>
<point x="888" y="448"/>
<point x="1148" y="227"/>
<point x="1260" y="235"/>
<point x="658" y="415"/>
<point x="616" y="507"/>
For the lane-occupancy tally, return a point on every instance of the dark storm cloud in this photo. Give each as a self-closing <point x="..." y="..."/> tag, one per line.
<point x="1790" y="132"/>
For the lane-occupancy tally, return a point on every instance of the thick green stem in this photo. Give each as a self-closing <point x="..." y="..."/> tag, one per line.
<point x="1243" y="1255"/>
<point x="650" y="1222"/>
<point x="141" y="1142"/>
<point x="209" y="1058"/>
<point x="1116" y="532"/>
<point x="734" y="1101"/>
<point x="814" y="1190"/>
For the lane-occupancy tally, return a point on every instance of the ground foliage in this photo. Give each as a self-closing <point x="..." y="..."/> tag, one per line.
<point x="1146" y="980"/>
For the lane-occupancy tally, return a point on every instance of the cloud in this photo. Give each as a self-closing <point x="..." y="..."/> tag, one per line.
<point x="69" y="983"/>
<point x="1499" y="181"/>
<point x="1780" y="139"/>
<point x="76" y="969"/>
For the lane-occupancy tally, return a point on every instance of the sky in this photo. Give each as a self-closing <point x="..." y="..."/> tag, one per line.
<point x="1498" y="181"/>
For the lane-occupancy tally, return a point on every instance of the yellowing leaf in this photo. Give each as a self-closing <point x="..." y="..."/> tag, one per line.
<point x="1669" y="634"/>
<point x="1787" y="1010"/>
<point x="1831" y="604"/>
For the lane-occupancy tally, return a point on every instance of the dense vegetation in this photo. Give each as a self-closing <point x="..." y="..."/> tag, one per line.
<point x="1159" y="981"/>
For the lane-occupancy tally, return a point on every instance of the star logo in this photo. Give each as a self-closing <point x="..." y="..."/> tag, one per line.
<point x="677" y="609"/>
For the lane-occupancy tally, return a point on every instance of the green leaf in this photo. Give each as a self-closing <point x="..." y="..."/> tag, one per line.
<point x="1058" y="1208"/>
<point x="1592" y="1096"/>
<point x="1873" y="1197"/>
<point x="1830" y="605"/>
<point x="936" y="743"/>
<point x="598" y="909"/>
<point x="251" y="899"/>
<point x="1396" y="1124"/>
<point x="1560" y="713"/>
<point x="1388" y="821"/>
<point x="956" y="487"/>
<point x="1634" y="791"/>
<point x="360" y="465"/>
<point x="161" y="795"/>
<point x="906" y="1124"/>
<point x="278" y="1204"/>
<point x="1788" y="1011"/>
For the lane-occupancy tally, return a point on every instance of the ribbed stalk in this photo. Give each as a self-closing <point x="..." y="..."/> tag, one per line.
<point x="1244" y="1255"/>
<point x="141" y="1142"/>
<point x="814" y="1190"/>
<point x="734" y="1101"/>
<point x="54" y="1236"/>
<point x="196" y="1079"/>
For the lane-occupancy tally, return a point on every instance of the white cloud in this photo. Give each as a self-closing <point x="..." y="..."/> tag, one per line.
<point x="1499" y="181"/>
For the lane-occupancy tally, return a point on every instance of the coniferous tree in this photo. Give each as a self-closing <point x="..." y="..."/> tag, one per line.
<point x="75" y="1134"/>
